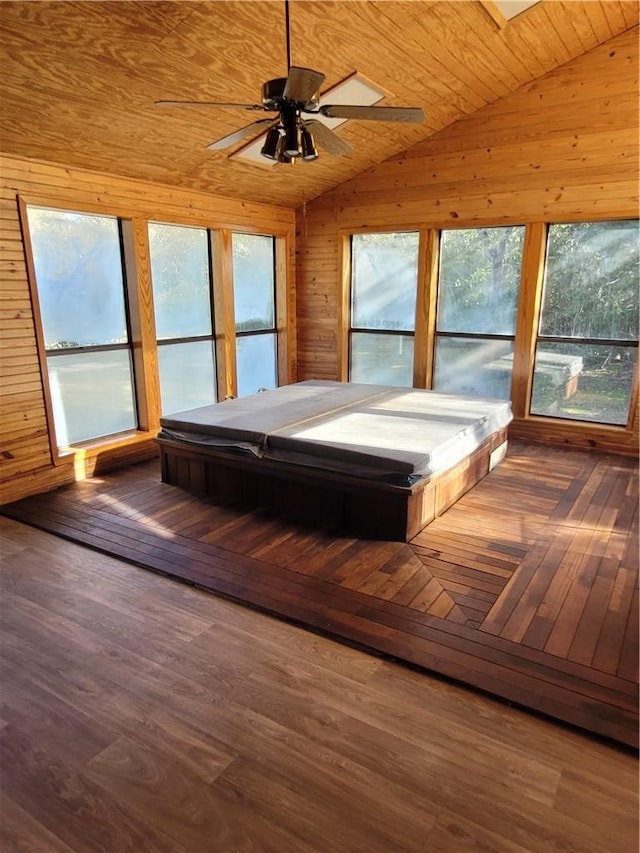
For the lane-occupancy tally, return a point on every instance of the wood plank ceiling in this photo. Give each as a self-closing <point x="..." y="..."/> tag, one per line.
<point x="79" y="78"/>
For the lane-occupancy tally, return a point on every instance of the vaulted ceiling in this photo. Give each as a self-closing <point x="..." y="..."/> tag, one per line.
<point x="79" y="79"/>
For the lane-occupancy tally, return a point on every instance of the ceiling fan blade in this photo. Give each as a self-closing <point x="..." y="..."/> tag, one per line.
<point x="239" y="135"/>
<point x="412" y="114"/>
<point x="208" y="105"/>
<point x="326" y="138"/>
<point x="302" y="84"/>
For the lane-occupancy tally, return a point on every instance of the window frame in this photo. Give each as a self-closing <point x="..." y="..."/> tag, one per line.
<point x="397" y="333"/>
<point x="139" y="299"/>
<point x="621" y="438"/>
<point x="478" y="336"/>
<point x="538" y="338"/>
<point x="272" y="330"/>
<point x="59" y="452"/>
<point x="212" y="336"/>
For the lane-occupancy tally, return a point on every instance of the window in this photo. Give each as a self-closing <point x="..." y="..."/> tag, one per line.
<point x="180" y="272"/>
<point x="476" y="312"/>
<point x="588" y="334"/>
<point x="384" y="275"/>
<point x="255" y="312"/>
<point x="80" y="282"/>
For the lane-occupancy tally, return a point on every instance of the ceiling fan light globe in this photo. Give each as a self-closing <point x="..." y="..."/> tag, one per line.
<point x="272" y="144"/>
<point x="292" y="142"/>
<point x="308" y="145"/>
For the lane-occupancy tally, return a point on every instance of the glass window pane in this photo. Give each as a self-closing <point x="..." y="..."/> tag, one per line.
<point x="187" y="376"/>
<point x="78" y="270"/>
<point x="583" y="381"/>
<point x="384" y="280"/>
<point x="180" y="277"/>
<point x="92" y="394"/>
<point x="477" y="368"/>
<point x="480" y="280"/>
<point x="253" y="282"/>
<point x="381" y="359"/>
<point x="591" y="281"/>
<point x="256" y="363"/>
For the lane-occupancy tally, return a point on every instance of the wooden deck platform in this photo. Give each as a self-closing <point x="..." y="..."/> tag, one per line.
<point x="526" y="589"/>
<point x="367" y="508"/>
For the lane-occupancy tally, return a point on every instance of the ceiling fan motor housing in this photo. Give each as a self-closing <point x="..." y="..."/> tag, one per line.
<point x="273" y="96"/>
<point x="273" y="93"/>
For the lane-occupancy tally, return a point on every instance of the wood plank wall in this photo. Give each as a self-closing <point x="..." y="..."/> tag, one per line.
<point x="26" y="458"/>
<point x="563" y="148"/>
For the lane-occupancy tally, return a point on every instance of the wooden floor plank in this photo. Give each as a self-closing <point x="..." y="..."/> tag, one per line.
<point x="39" y="784"/>
<point x="354" y="572"/>
<point x="611" y="637"/>
<point x="533" y="605"/>
<point x="237" y="731"/>
<point x="628" y="663"/>
<point x="482" y="582"/>
<point x="273" y="589"/>
<point x="576" y="634"/>
<point x="20" y="830"/>
<point x="563" y="632"/>
<point x="560" y="608"/>
<point x="387" y="586"/>
<point x="498" y="568"/>
<point x="511" y="596"/>
<point x="205" y="558"/>
<point x="564" y="592"/>
<point x="462" y="548"/>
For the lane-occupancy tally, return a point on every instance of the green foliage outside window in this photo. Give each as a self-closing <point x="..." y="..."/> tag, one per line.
<point x="480" y="280"/>
<point x="591" y="281"/>
<point x="590" y="308"/>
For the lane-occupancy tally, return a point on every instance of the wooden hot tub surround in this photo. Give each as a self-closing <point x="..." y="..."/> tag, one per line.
<point x="377" y="503"/>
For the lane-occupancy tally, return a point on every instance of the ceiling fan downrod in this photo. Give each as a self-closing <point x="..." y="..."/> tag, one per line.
<point x="288" y="33"/>
<point x="290" y="139"/>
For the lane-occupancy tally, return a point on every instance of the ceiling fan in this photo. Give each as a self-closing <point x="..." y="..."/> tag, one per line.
<point x="291" y="135"/>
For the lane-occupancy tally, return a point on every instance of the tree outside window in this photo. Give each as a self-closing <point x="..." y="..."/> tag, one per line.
<point x="478" y="288"/>
<point x="588" y="335"/>
<point x="384" y="274"/>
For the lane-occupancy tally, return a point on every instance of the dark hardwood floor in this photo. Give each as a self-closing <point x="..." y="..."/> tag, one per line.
<point x="139" y="714"/>
<point x="527" y="588"/>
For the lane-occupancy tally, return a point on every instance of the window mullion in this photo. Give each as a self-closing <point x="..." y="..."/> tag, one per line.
<point x="221" y="253"/>
<point x="135" y="240"/>
<point x="603" y="342"/>
<point x="528" y="316"/>
<point x="478" y="336"/>
<point x="344" y="308"/>
<point x="38" y="324"/>
<point x="634" y="408"/>
<point x="284" y="312"/>
<point x="428" y="260"/>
